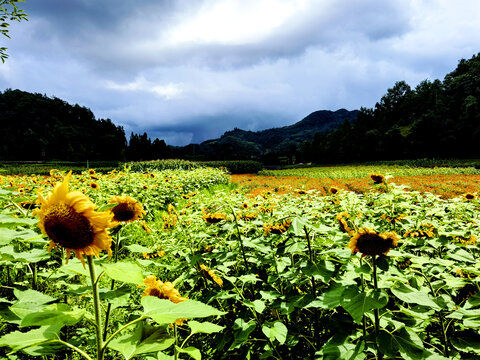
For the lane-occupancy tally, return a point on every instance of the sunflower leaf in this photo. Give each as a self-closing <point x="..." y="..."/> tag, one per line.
<point x="165" y="312"/>
<point x="124" y="271"/>
<point x="204" y="327"/>
<point x="143" y="340"/>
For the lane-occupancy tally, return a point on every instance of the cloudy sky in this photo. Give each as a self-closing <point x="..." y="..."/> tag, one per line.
<point x="189" y="70"/>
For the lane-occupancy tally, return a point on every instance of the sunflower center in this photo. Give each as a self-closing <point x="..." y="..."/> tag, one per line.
<point x="67" y="227"/>
<point x="373" y="244"/>
<point x="123" y="212"/>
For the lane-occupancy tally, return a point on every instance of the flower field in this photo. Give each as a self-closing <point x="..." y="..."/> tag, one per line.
<point x="180" y="264"/>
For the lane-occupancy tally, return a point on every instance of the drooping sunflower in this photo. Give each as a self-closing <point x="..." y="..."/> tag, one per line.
<point x="162" y="290"/>
<point x="367" y="242"/>
<point x="70" y="221"/>
<point x="126" y="210"/>
<point x="210" y="274"/>
<point x="378" y="178"/>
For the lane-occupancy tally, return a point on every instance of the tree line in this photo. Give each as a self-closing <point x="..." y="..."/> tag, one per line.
<point x="435" y="119"/>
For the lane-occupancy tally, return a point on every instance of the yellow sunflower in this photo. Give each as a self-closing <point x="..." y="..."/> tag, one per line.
<point x="333" y="189"/>
<point x="70" y="220"/>
<point x="367" y="242"/>
<point x="469" y="196"/>
<point x="126" y="210"/>
<point x="162" y="290"/>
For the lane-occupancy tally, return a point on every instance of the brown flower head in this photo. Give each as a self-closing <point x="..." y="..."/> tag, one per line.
<point x="126" y="210"/>
<point x="367" y="242"/>
<point x="378" y="178"/>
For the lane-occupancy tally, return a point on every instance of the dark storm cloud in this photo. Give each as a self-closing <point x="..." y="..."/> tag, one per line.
<point x="187" y="71"/>
<point x="131" y="35"/>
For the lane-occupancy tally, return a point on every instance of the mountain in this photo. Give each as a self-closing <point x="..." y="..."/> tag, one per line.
<point x="242" y="144"/>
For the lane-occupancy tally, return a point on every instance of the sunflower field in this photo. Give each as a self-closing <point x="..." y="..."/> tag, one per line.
<point x="181" y="264"/>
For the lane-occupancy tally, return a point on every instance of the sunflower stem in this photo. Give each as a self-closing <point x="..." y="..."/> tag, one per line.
<point x="375" y="311"/>
<point x="364" y="319"/>
<point x="96" y="305"/>
<point x="112" y="287"/>
<point x="314" y="289"/>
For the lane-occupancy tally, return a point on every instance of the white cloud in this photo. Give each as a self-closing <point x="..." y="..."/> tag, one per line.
<point x="140" y="84"/>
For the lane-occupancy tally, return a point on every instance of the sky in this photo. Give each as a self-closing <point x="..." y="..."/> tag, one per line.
<point x="188" y="70"/>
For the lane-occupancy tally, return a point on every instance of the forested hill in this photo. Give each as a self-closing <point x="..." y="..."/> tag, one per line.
<point x="36" y="127"/>
<point x="284" y="140"/>
<point x="435" y="119"/>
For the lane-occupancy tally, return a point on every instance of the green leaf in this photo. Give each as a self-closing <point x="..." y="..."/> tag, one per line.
<point x="32" y="256"/>
<point x="17" y="340"/>
<point x="125" y="272"/>
<point x="462" y="255"/>
<point x="404" y="341"/>
<point x="165" y="312"/>
<point x="6" y="220"/>
<point x="340" y="348"/>
<point x="322" y="270"/>
<point x="278" y="331"/>
<point x="192" y="351"/>
<point x="243" y="332"/>
<point x="7" y="235"/>
<point x="118" y="297"/>
<point x="138" y="248"/>
<point x="204" y="327"/>
<point x="468" y="342"/>
<point x="55" y="314"/>
<point x="144" y="339"/>
<point x="29" y="301"/>
<point x="331" y="298"/>
<point x="364" y="302"/>
<point x="473" y="301"/>
<point x="413" y="296"/>
<point x="258" y="305"/>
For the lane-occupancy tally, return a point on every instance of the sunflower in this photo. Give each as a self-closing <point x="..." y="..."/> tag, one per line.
<point x="210" y="274"/>
<point x="214" y="218"/>
<point x="469" y="196"/>
<point x="126" y="210"/>
<point x="333" y="189"/>
<point x="94" y="185"/>
<point x="377" y="178"/>
<point x="91" y="172"/>
<point x="343" y="223"/>
<point x="161" y="290"/>
<point x="368" y="242"/>
<point x="70" y="221"/>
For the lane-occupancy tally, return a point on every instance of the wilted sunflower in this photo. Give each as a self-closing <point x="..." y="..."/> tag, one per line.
<point x="70" y="220"/>
<point x="378" y="178"/>
<point x="367" y="242"/>
<point x="126" y="210"/>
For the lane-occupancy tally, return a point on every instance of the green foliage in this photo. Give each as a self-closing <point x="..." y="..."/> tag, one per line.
<point x="9" y="12"/>
<point x="36" y="127"/>
<point x="272" y="278"/>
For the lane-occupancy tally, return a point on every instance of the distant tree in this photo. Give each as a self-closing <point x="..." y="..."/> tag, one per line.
<point x="9" y="12"/>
